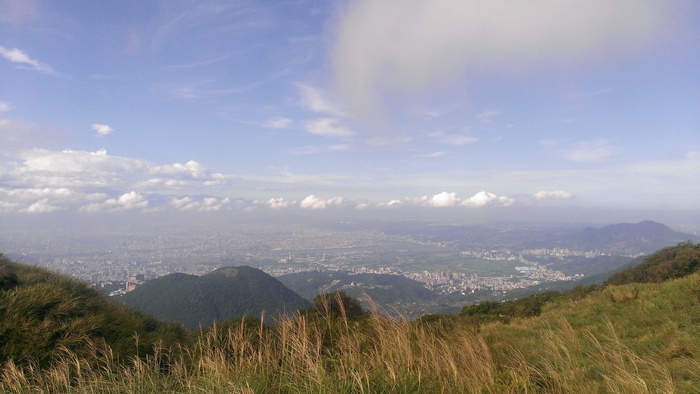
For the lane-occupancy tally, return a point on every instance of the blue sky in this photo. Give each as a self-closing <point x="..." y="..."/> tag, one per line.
<point x="181" y="105"/>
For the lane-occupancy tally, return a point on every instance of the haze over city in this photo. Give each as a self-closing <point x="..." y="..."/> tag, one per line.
<point x="505" y="110"/>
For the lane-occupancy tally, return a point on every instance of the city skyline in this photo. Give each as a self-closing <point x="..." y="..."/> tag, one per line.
<point x="369" y="105"/>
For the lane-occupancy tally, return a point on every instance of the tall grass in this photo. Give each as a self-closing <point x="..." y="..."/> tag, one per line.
<point x="381" y="355"/>
<point x="558" y="352"/>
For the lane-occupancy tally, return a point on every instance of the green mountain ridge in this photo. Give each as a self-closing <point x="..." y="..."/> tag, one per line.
<point x="637" y="335"/>
<point x="389" y="292"/>
<point x="223" y="294"/>
<point x="42" y="314"/>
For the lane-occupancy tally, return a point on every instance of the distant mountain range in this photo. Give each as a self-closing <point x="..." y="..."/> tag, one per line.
<point x="223" y="294"/>
<point x="621" y="239"/>
<point x="627" y="238"/>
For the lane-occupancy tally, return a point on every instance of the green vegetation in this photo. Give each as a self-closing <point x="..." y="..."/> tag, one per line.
<point x="45" y="317"/>
<point x="489" y="311"/>
<point x="383" y="289"/>
<point x="631" y="338"/>
<point x="668" y="263"/>
<point x="454" y="262"/>
<point x="223" y="294"/>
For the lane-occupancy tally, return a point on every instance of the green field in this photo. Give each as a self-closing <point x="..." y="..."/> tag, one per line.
<point x="453" y="262"/>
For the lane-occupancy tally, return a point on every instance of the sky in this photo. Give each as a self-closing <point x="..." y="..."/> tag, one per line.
<point x="146" y="106"/>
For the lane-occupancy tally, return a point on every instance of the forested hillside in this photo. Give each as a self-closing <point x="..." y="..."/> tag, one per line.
<point x="223" y="294"/>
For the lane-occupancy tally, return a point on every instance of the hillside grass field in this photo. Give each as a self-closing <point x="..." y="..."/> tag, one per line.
<point x="626" y="338"/>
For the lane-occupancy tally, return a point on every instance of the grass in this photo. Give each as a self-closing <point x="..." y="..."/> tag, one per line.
<point x="56" y="336"/>
<point x="638" y="338"/>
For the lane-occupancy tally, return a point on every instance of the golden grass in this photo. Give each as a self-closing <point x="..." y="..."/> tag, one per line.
<point x="554" y="353"/>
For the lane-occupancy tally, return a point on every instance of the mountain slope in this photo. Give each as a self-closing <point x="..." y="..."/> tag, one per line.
<point x="389" y="292"/>
<point x="221" y="295"/>
<point x="43" y="315"/>
<point x="629" y="238"/>
<point x="668" y="263"/>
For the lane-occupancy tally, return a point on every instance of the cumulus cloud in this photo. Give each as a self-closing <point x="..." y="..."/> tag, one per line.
<point x="310" y="202"/>
<point x="278" y="203"/>
<point x="440" y="200"/>
<point x="188" y="171"/>
<point x="313" y="202"/>
<point x="589" y="151"/>
<point x="160" y="183"/>
<point x="126" y="201"/>
<point x="553" y="194"/>
<point x="329" y="127"/>
<point x="384" y="48"/>
<point x="42" y="206"/>
<point x="451" y="199"/>
<point x="70" y="178"/>
<point x="25" y="62"/>
<point x="101" y="129"/>
<point x="207" y="204"/>
<point x="443" y="199"/>
<point x="483" y="198"/>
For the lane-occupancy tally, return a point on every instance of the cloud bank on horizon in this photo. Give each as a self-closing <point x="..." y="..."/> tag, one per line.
<point x="366" y="104"/>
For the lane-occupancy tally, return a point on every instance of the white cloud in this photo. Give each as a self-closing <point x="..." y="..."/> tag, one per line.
<point x="483" y="198"/>
<point x="126" y="201"/>
<point x="313" y="202"/>
<point x="160" y="183"/>
<point x="589" y="151"/>
<point x="42" y="206"/>
<point x="101" y="129"/>
<point x="553" y="194"/>
<point x="278" y="203"/>
<point x="73" y="178"/>
<point x="313" y="100"/>
<point x="188" y="171"/>
<point x="444" y="199"/>
<point x="310" y="202"/>
<point x="328" y="126"/>
<point x="17" y="56"/>
<point x="450" y="199"/>
<point x="4" y="107"/>
<point x="278" y="123"/>
<point x="384" y="48"/>
<point x="207" y="204"/>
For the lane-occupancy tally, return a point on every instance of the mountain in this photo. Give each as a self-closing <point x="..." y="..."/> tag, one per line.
<point x="44" y="315"/>
<point x="628" y="338"/>
<point x="220" y="295"/>
<point x="392" y="293"/>
<point x="668" y="263"/>
<point x="628" y="238"/>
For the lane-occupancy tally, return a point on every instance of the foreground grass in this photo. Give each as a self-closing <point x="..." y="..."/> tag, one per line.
<point x="639" y="338"/>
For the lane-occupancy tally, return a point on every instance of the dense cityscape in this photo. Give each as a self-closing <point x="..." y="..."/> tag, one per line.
<point x="124" y="259"/>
